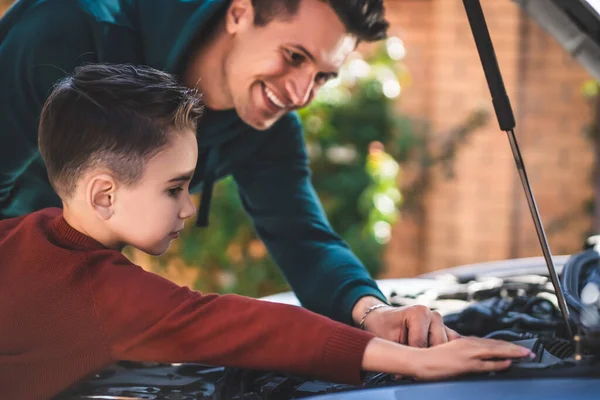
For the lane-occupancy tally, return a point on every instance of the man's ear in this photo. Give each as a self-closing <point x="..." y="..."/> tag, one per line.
<point x="239" y="16"/>
<point x="101" y="193"/>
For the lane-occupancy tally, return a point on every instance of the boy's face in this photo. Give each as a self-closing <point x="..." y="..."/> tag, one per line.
<point x="150" y="214"/>
<point x="277" y="68"/>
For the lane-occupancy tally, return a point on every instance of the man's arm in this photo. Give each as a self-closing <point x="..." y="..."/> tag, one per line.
<point x="38" y="45"/>
<point x="276" y="191"/>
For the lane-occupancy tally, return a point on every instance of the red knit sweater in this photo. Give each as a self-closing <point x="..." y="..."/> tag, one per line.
<point x="69" y="307"/>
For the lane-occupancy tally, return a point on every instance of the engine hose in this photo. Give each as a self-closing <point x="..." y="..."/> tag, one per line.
<point x="509" y="335"/>
<point x="571" y="276"/>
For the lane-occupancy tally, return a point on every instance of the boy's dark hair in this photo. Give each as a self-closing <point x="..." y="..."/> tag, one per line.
<point x="113" y="116"/>
<point x="364" y="19"/>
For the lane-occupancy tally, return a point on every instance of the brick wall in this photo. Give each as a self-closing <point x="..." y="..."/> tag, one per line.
<point x="482" y="214"/>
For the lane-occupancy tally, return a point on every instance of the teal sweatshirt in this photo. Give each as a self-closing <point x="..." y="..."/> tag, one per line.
<point x="42" y="40"/>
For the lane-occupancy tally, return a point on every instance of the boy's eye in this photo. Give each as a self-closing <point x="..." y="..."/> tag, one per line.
<point x="173" y="192"/>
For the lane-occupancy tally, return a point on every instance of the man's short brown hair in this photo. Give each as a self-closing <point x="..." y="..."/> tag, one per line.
<point x="113" y="116"/>
<point x="364" y="19"/>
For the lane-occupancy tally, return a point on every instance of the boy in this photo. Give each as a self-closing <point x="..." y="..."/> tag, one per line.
<point x="119" y="145"/>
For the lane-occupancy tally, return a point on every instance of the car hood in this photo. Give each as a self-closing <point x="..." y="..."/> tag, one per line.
<point x="575" y="24"/>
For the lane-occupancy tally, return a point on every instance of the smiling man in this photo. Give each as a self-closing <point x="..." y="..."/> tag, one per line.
<point x="256" y="61"/>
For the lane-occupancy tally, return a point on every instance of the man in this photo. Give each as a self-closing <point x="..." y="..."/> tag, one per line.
<point x="255" y="61"/>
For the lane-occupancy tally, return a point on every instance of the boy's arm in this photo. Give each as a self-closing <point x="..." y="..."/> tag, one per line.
<point x="147" y="318"/>
<point x="277" y="193"/>
<point x="37" y="47"/>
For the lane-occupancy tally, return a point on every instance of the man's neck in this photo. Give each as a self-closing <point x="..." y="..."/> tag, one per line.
<point x="205" y="70"/>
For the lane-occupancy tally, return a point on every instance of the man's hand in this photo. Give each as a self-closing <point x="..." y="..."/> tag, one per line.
<point x="416" y="326"/>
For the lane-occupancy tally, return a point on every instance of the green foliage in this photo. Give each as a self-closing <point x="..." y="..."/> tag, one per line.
<point x="348" y="129"/>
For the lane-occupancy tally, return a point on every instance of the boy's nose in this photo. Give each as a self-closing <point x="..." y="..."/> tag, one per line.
<point x="188" y="210"/>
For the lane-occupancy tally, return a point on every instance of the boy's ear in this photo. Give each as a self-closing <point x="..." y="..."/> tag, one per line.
<point x="240" y="15"/>
<point x="101" y="195"/>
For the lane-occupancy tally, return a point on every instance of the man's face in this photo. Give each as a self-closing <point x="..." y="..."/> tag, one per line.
<point x="151" y="213"/>
<point x="279" y="67"/>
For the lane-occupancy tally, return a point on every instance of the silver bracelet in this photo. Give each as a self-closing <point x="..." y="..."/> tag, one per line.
<point x="375" y="307"/>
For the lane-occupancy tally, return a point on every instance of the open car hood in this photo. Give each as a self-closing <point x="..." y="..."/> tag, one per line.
<point x="575" y="24"/>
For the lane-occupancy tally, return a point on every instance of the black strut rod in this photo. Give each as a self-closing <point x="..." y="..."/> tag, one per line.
<point x="506" y="120"/>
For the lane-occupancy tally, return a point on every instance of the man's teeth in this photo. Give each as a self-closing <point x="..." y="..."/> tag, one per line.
<point x="273" y="98"/>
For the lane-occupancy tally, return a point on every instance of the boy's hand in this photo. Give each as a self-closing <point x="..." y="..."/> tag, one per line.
<point x="467" y="354"/>
<point x="460" y="356"/>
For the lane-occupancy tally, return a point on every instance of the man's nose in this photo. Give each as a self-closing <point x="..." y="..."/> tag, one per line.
<point x="189" y="209"/>
<point x="299" y="88"/>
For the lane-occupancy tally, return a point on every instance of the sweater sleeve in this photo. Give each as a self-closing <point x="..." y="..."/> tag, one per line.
<point x="148" y="318"/>
<point x="277" y="192"/>
<point x="38" y="44"/>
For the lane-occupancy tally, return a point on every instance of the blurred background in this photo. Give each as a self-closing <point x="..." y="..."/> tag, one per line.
<point x="409" y="161"/>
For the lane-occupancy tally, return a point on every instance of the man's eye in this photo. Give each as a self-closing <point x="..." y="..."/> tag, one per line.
<point x="173" y="192"/>
<point x="322" y="78"/>
<point x="294" y="58"/>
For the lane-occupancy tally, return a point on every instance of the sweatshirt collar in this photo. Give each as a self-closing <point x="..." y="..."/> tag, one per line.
<point x="68" y="233"/>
